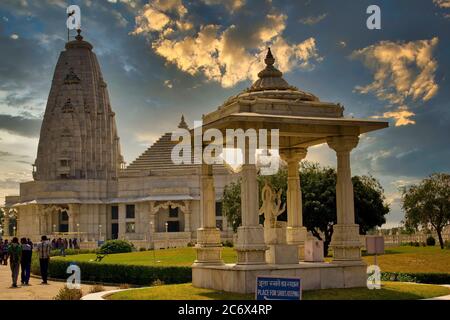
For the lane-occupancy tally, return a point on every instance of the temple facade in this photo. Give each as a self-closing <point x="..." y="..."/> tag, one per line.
<point x="81" y="187"/>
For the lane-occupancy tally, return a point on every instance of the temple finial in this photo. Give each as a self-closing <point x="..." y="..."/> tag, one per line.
<point x="269" y="60"/>
<point x="79" y="37"/>
<point x="183" y="124"/>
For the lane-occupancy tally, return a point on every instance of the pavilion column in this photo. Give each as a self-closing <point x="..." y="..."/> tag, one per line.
<point x="73" y="215"/>
<point x="187" y="217"/>
<point x="6" y="223"/>
<point x="209" y="246"/>
<point x="296" y="232"/>
<point x="122" y="221"/>
<point x="250" y="246"/>
<point x="345" y="241"/>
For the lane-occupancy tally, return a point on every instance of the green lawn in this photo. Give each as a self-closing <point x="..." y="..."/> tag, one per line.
<point x="396" y="259"/>
<point x="413" y="259"/>
<point x="166" y="257"/>
<point x="389" y="291"/>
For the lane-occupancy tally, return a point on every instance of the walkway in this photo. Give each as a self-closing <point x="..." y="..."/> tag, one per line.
<point x="35" y="291"/>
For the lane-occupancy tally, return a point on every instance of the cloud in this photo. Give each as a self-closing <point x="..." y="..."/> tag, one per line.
<point x="168" y="84"/>
<point x="312" y="20"/>
<point x="14" y="36"/>
<point x="231" y="5"/>
<point x="401" y="116"/>
<point x="442" y="3"/>
<point x="403" y="73"/>
<point x="224" y="53"/>
<point x="19" y="125"/>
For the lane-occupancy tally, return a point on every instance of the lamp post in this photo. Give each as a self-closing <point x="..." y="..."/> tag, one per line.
<point x="78" y="236"/>
<point x="151" y="239"/>
<point x="14" y="231"/>
<point x="54" y="229"/>
<point x="99" y="232"/>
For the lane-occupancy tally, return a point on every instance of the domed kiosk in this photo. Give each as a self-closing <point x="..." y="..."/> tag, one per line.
<point x="303" y="121"/>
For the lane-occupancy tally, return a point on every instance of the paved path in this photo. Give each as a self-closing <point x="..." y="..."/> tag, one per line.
<point x="35" y="291"/>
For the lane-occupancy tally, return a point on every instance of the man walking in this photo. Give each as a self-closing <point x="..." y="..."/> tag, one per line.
<point x="43" y="249"/>
<point x="14" y="253"/>
<point x="25" y="261"/>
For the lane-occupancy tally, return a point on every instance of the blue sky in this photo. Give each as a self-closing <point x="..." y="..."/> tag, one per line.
<point x="165" y="58"/>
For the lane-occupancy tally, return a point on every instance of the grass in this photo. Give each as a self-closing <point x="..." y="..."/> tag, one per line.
<point x="413" y="259"/>
<point x="166" y="257"/>
<point x="396" y="259"/>
<point x="389" y="291"/>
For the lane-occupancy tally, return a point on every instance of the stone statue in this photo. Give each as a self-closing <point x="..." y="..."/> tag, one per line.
<point x="271" y="206"/>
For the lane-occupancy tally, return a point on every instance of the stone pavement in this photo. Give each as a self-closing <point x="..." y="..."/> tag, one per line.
<point x="35" y="291"/>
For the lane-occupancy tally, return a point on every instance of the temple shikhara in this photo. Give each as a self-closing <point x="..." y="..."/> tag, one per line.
<point x="82" y="187"/>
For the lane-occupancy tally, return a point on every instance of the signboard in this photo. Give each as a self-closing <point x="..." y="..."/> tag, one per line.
<point x="375" y="244"/>
<point x="278" y="288"/>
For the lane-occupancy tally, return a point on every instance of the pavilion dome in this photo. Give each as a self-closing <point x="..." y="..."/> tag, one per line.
<point x="272" y="85"/>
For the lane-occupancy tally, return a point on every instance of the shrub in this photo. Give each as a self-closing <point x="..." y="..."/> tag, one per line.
<point x="123" y="286"/>
<point x="429" y="278"/>
<point x="157" y="282"/>
<point x="116" y="246"/>
<point x="447" y="244"/>
<point x="431" y="241"/>
<point x="96" y="288"/>
<point x="227" y="243"/>
<point x="142" y="249"/>
<point x="416" y="244"/>
<point x="118" y="273"/>
<point x="68" y="294"/>
<point x="70" y="252"/>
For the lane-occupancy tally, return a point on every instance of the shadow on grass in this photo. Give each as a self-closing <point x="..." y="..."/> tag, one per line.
<point x="359" y="294"/>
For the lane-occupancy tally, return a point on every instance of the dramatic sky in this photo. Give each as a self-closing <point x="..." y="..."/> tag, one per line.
<point x="165" y="58"/>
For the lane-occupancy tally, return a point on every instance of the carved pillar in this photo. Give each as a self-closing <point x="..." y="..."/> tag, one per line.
<point x="73" y="214"/>
<point x="296" y="232"/>
<point x="250" y="244"/>
<point x="209" y="246"/>
<point x="122" y="221"/>
<point x="345" y="241"/>
<point x="6" y="222"/>
<point x="187" y="217"/>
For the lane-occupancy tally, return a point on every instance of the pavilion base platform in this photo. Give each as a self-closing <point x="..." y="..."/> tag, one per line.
<point x="242" y="278"/>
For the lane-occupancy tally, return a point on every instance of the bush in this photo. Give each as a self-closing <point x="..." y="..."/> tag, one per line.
<point x="96" y="288"/>
<point x="142" y="249"/>
<point x="68" y="294"/>
<point x="71" y="252"/>
<point x="447" y="244"/>
<point x="227" y="243"/>
<point x="431" y="241"/>
<point x="118" y="273"/>
<point x="116" y="246"/>
<point x="428" y="278"/>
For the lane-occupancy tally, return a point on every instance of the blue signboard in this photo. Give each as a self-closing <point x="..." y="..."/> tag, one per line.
<point x="278" y="288"/>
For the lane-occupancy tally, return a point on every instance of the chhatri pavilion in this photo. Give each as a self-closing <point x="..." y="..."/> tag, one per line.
<point x="303" y="121"/>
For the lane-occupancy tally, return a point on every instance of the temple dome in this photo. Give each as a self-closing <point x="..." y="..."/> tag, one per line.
<point x="272" y="85"/>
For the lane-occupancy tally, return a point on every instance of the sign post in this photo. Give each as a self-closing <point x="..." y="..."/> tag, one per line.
<point x="278" y="288"/>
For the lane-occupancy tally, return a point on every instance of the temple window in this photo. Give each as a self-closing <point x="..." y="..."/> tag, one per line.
<point x="173" y="212"/>
<point x="130" y="227"/>
<point x="114" y="212"/>
<point x="130" y="211"/>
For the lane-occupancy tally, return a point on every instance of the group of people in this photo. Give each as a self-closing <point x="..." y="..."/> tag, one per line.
<point x="63" y="244"/>
<point x="20" y="254"/>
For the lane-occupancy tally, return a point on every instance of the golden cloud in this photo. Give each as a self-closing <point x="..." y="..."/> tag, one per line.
<point x="402" y="73"/>
<point x="224" y="54"/>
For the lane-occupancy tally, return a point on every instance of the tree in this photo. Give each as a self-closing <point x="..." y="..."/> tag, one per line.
<point x="319" y="200"/>
<point x="427" y="204"/>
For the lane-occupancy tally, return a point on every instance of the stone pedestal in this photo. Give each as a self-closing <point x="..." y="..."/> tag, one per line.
<point x="282" y="254"/>
<point x="296" y="236"/>
<point x="346" y="243"/>
<point x="208" y="247"/>
<point x="250" y="245"/>
<point x="279" y="252"/>
<point x="314" y="250"/>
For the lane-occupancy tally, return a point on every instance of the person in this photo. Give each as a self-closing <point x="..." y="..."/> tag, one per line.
<point x="70" y="244"/>
<point x="5" y="252"/>
<point x="14" y="253"/>
<point x="30" y="243"/>
<point x="25" y="261"/>
<point x="43" y="249"/>
<point x="1" y="251"/>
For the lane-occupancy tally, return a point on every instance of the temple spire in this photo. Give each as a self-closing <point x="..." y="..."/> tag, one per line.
<point x="183" y="124"/>
<point x="269" y="60"/>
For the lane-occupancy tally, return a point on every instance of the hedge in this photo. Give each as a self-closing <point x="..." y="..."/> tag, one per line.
<point x="429" y="278"/>
<point x="118" y="273"/>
